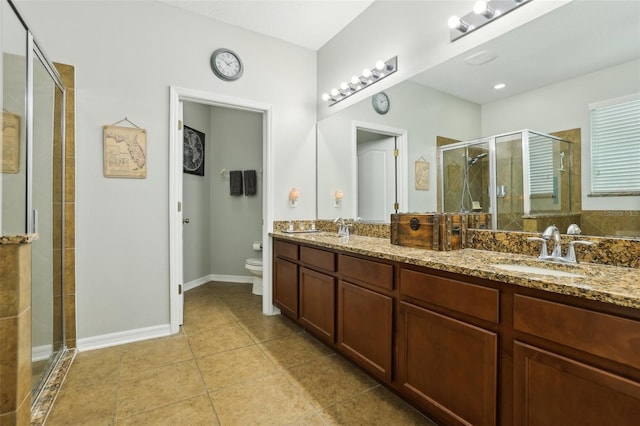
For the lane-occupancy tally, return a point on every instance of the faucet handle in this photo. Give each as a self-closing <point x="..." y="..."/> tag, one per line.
<point x="543" y="250"/>
<point x="571" y="253"/>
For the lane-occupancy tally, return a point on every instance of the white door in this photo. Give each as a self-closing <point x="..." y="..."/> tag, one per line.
<point x="376" y="179"/>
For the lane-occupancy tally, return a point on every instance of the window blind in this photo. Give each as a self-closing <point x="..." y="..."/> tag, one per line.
<point x="615" y="146"/>
<point x="540" y="164"/>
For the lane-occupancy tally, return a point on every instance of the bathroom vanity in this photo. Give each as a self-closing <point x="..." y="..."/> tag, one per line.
<point x="466" y="338"/>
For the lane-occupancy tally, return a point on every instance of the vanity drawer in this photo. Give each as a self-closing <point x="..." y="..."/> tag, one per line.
<point x="604" y="335"/>
<point x="366" y="271"/>
<point x="285" y="249"/>
<point x="319" y="258"/>
<point x="470" y="299"/>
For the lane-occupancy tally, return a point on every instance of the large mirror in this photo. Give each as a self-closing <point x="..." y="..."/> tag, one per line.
<point x="553" y="72"/>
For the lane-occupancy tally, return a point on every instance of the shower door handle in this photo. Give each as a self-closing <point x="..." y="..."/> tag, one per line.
<point x="34" y="220"/>
<point x="185" y="220"/>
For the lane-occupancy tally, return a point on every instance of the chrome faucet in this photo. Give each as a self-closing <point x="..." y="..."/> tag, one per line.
<point x="343" y="227"/>
<point x="552" y="232"/>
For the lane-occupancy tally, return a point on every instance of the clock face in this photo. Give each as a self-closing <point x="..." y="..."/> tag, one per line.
<point x="380" y="103"/>
<point x="226" y="64"/>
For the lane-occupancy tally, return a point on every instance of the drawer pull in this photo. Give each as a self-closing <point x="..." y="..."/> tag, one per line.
<point x="414" y="223"/>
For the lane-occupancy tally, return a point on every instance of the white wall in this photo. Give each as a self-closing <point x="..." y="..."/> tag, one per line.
<point x="236" y="221"/>
<point x="126" y="55"/>
<point x="564" y="106"/>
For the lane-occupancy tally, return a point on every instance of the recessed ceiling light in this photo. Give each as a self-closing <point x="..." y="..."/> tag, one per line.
<point x="499" y="86"/>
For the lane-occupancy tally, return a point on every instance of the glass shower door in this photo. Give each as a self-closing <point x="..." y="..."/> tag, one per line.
<point x="47" y="183"/>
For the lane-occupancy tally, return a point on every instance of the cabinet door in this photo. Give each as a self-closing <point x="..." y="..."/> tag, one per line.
<point x="317" y="303"/>
<point x="285" y="287"/>
<point x="365" y="329"/>
<point x="448" y="366"/>
<point x="550" y="389"/>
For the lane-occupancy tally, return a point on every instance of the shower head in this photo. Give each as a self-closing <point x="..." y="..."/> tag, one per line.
<point x="475" y="159"/>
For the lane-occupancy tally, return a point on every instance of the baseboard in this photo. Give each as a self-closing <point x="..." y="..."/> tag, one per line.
<point x="122" y="337"/>
<point x="39" y="353"/>
<point x="240" y="279"/>
<point x="197" y="282"/>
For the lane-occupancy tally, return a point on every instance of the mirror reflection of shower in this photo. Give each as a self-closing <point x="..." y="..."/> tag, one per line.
<point x="467" y="201"/>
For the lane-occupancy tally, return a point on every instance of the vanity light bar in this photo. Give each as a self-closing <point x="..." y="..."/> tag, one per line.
<point x="484" y="11"/>
<point x="368" y="77"/>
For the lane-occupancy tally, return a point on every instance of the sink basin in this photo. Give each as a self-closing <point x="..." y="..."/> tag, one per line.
<point x="526" y="269"/>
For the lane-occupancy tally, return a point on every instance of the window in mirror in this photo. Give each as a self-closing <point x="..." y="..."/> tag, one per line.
<point x="615" y="146"/>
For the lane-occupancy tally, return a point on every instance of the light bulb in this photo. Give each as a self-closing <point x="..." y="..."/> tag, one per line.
<point x="334" y="92"/>
<point x="344" y="86"/>
<point x="456" y="23"/>
<point x="482" y="8"/>
<point x="355" y="79"/>
<point x="499" y="86"/>
<point x="325" y="97"/>
<point x="366" y="73"/>
<point x="380" y="65"/>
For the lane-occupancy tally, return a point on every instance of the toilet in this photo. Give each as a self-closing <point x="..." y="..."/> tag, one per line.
<point x="254" y="265"/>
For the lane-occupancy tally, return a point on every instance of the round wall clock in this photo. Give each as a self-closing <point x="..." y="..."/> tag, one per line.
<point x="380" y="102"/>
<point x="226" y="64"/>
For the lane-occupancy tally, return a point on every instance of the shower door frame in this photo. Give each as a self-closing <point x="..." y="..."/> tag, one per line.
<point x="492" y="141"/>
<point x="34" y="52"/>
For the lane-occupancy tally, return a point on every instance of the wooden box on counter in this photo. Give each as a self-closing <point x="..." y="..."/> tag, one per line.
<point x="435" y="231"/>
<point x="453" y="229"/>
<point x="416" y="230"/>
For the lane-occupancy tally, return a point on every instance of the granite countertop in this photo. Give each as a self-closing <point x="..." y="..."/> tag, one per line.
<point x="18" y="239"/>
<point x="610" y="284"/>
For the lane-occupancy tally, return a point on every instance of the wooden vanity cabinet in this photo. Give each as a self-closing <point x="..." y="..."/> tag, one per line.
<point x="365" y="314"/>
<point x="568" y="365"/>
<point x="285" y="277"/>
<point x="448" y="366"/>
<point x="467" y="351"/>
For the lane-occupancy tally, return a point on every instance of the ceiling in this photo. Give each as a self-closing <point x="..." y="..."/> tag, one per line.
<point x="307" y="23"/>
<point x="578" y="38"/>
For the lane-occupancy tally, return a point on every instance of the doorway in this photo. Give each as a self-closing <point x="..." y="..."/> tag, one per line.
<point x="176" y="212"/>
<point x="381" y="171"/>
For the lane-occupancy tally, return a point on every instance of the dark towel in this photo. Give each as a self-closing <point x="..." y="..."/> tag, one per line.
<point x="250" y="182"/>
<point x="235" y="182"/>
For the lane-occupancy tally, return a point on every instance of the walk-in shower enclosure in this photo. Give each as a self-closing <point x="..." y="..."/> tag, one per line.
<point x="513" y="176"/>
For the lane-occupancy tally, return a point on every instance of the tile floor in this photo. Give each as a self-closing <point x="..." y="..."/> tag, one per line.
<point x="229" y="365"/>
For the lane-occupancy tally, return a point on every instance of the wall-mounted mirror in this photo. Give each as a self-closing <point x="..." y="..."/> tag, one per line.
<point x="553" y="72"/>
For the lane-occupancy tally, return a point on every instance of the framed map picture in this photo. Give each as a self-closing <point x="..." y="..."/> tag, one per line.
<point x="193" y="151"/>
<point x="125" y="152"/>
<point x="10" y="143"/>
<point x="422" y="175"/>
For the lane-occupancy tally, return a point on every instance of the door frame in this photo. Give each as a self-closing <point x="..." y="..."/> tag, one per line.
<point x="177" y="95"/>
<point x="403" y="159"/>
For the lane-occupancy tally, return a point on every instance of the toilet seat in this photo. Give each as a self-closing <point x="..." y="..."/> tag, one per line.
<point x="254" y="261"/>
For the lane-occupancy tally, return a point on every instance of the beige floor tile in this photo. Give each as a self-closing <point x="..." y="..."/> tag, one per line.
<point x="233" y="367"/>
<point x="264" y="401"/>
<point x="219" y="339"/>
<point x="249" y="313"/>
<point x="154" y="353"/>
<point x="94" y="368"/>
<point x="294" y="349"/>
<point x="152" y="388"/>
<point x="193" y="412"/>
<point x="93" y="405"/>
<point x="206" y="317"/>
<point x="270" y="327"/>
<point x="313" y="419"/>
<point x="329" y="379"/>
<point x="377" y="406"/>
